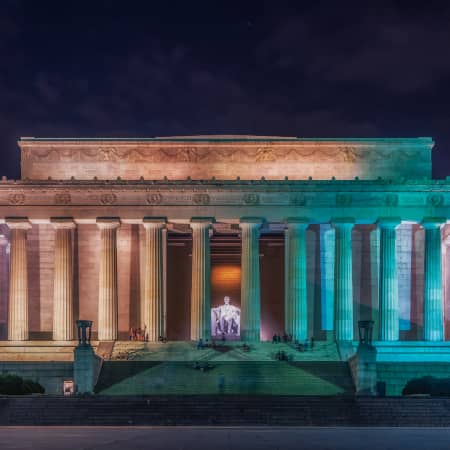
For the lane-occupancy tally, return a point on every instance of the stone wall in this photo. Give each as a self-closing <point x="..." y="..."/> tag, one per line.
<point x="50" y="375"/>
<point x="397" y="374"/>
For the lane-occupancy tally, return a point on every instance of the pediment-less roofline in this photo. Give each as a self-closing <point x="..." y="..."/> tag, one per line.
<point x="233" y="138"/>
<point x="225" y="157"/>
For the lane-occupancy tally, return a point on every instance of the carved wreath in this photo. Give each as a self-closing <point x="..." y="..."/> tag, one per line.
<point x="251" y="199"/>
<point x="16" y="199"/>
<point x="297" y="199"/>
<point x="108" y="199"/>
<point x="435" y="200"/>
<point x="390" y="200"/>
<point x="154" y="198"/>
<point x="343" y="199"/>
<point x="201" y="199"/>
<point x="63" y="198"/>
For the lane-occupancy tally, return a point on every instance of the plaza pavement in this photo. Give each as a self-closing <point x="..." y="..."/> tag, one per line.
<point x="224" y="438"/>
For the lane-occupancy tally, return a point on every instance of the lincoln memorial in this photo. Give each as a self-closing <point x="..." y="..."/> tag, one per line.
<point x="304" y="237"/>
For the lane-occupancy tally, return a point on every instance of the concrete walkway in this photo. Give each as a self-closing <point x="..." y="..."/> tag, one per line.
<point x="202" y="438"/>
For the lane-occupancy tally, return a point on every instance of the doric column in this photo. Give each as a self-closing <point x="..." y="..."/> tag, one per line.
<point x="201" y="274"/>
<point x="296" y="310"/>
<point x="18" y="280"/>
<point x="63" y="321"/>
<point x="433" y="300"/>
<point x="250" y="284"/>
<point x="343" y="279"/>
<point x="152" y="302"/>
<point x="389" y="305"/>
<point x="107" y="286"/>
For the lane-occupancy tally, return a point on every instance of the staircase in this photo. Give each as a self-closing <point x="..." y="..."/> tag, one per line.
<point x="233" y="377"/>
<point x="115" y="372"/>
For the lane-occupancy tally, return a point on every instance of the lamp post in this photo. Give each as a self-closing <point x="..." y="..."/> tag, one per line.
<point x="365" y="328"/>
<point x="84" y="332"/>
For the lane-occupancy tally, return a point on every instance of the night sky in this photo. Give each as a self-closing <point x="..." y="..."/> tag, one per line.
<point x="157" y="68"/>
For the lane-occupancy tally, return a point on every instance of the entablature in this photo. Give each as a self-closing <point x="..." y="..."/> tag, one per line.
<point x="365" y="200"/>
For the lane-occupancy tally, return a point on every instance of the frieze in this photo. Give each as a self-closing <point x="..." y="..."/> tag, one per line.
<point x="211" y="195"/>
<point x="214" y="154"/>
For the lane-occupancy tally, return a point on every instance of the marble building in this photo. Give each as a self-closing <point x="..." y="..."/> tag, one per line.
<point x="306" y="236"/>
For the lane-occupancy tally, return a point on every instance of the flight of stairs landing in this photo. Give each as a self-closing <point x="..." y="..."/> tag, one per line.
<point x="225" y="410"/>
<point x="227" y="351"/>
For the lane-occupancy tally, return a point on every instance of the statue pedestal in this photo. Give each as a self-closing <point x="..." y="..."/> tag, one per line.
<point x="364" y="369"/>
<point x="85" y="369"/>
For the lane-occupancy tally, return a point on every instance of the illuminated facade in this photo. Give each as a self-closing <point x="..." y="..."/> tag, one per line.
<point x="307" y="236"/>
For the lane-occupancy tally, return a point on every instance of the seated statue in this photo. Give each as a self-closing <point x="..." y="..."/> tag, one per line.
<point x="226" y="319"/>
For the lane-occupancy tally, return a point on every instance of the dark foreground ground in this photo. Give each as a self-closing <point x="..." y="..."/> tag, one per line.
<point x="233" y="438"/>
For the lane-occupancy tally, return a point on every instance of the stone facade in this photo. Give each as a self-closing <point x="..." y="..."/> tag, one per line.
<point x="357" y="236"/>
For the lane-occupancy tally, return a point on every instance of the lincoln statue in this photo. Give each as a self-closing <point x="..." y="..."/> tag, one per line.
<point x="226" y="319"/>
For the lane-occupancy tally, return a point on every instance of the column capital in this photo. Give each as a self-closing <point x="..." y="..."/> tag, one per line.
<point x="201" y="222"/>
<point x="251" y="222"/>
<point x="108" y="223"/>
<point x="297" y="221"/>
<point x="433" y="222"/>
<point x="18" y="223"/>
<point x="65" y="223"/>
<point x="388" y="222"/>
<point x="201" y="219"/>
<point x="342" y="222"/>
<point x="154" y="222"/>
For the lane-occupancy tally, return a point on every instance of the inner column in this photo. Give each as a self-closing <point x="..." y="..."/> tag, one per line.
<point x="201" y="272"/>
<point x="250" y="280"/>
